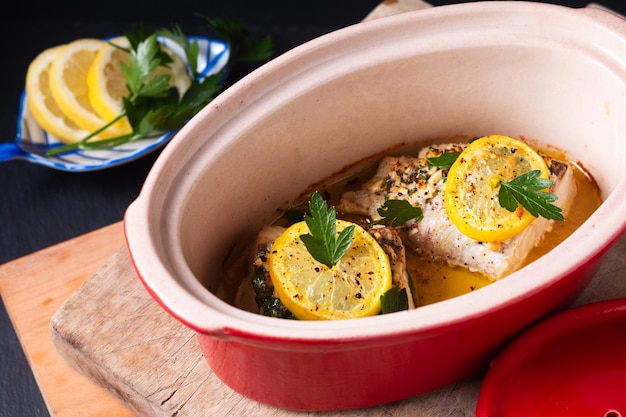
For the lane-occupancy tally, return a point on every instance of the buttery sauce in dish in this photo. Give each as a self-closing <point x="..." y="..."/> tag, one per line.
<point x="438" y="261"/>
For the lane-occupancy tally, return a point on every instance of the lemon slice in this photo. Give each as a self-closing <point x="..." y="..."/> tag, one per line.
<point x="312" y="291"/>
<point x="473" y="184"/>
<point x="42" y="104"/>
<point x="68" y="83"/>
<point x="107" y="84"/>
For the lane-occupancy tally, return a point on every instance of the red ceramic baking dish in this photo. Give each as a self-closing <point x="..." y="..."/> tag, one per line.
<point x="554" y="74"/>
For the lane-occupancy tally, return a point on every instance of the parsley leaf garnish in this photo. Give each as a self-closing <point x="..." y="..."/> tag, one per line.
<point x="152" y="106"/>
<point x="321" y="241"/>
<point x="526" y="190"/>
<point x="398" y="212"/>
<point x="395" y="299"/>
<point x="444" y="161"/>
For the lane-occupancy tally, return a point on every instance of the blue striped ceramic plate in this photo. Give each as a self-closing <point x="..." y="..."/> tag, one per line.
<point x="32" y="142"/>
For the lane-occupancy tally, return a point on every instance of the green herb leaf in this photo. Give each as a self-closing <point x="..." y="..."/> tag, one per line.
<point x="191" y="49"/>
<point x="153" y="107"/>
<point x="395" y="299"/>
<point x="143" y="61"/>
<point x="268" y="303"/>
<point x="526" y="190"/>
<point x="444" y="161"/>
<point x="321" y="241"/>
<point x="397" y="212"/>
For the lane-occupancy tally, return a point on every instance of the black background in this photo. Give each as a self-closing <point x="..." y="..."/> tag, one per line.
<point x="39" y="206"/>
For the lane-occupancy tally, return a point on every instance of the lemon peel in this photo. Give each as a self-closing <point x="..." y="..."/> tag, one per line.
<point x="41" y="102"/>
<point x="68" y="84"/>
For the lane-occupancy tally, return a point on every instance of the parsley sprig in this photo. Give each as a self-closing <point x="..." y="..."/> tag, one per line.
<point x="394" y="300"/>
<point x="444" y="161"/>
<point x="526" y="190"/>
<point x="397" y="212"/>
<point x="153" y="107"/>
<point x="321" y="241"/>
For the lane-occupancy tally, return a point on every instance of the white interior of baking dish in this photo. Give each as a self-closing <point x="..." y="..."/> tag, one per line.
<point x="542" y="72"/>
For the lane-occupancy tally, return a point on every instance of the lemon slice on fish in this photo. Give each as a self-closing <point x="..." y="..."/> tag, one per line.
<point x="313" y="291"/>
<point x="473" y="184"/>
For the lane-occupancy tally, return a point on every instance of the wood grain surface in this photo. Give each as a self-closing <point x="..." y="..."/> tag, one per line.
<point x="33" y="288"/>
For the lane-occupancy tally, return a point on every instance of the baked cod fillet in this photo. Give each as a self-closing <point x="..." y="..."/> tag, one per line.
<point x="435" y="236"/>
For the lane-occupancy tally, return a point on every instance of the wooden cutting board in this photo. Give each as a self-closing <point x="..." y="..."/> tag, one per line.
<point x="94" y="337"/>
<point x="33" y="288"/>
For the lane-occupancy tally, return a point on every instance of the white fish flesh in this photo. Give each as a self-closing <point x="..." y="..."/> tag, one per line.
<point x="435" y="236"/>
